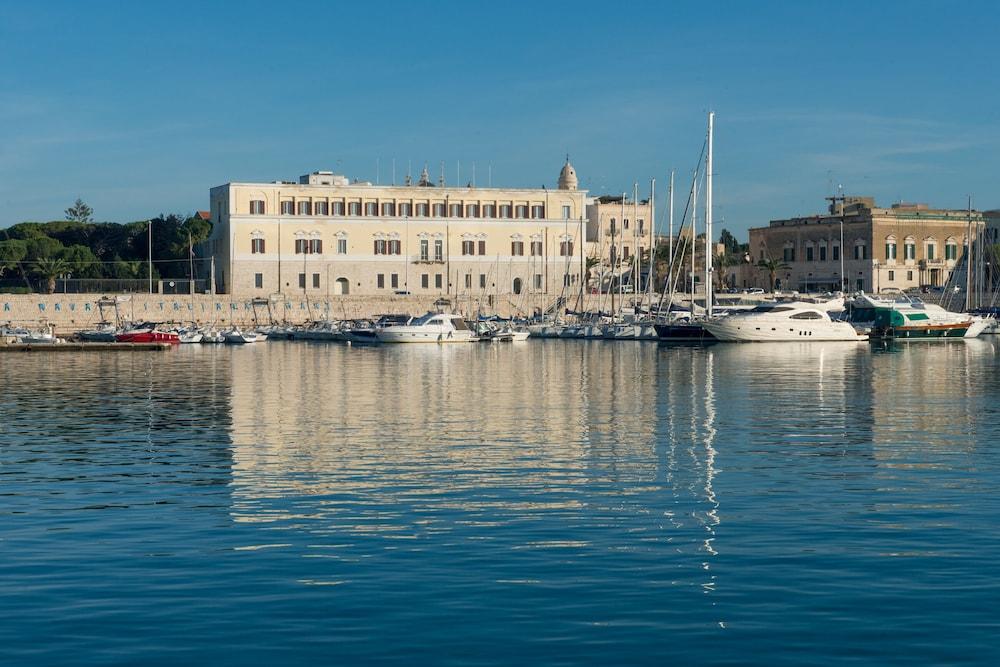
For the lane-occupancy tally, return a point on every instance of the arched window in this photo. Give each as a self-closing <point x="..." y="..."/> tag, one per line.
<point x="517" y="285"/>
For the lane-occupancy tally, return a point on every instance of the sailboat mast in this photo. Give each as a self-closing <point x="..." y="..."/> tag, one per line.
<point x="968" y="261"/>
<point x="670" y="231"/>
<point x="708" y="219"/>
<point x="637" y="257"/>
<point x="694" y="231"/>
<point x="651" y="278"/>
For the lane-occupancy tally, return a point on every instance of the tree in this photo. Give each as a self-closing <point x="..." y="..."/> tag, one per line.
<point x="722" y="262"/>
<point x="772" y="266"/>
<point x="79" y="212"/>
<point x="729" y="242"/>
<point x="49" y="268"/>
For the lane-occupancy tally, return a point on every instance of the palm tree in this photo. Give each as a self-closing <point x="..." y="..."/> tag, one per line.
<point x="722" y="261"/>
<point x="50" y="267"/>
<point x="772" y="266"/>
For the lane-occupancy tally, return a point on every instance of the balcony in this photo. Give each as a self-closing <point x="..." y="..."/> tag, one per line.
<point x="427" y="259"/>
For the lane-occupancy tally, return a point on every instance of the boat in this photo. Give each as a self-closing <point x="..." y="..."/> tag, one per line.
<point x="190" y="336"/>
<point x="238" y="337"/>
<point x="782" y="322"/>
<point x="32" y="336"/>
<point x="103" y="333"/>
<point x="146" y="332"/>
<point x="213" y="336"/>
<point x="904" y="318"/>
<point x="430" y="328"/>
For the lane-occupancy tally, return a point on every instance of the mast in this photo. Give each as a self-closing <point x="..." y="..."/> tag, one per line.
<point x="652" y="239"/>
<point x="637" y="257"/>
<point x="670" y="204"/>
<point x="708" y="218"/>
<point x="968" y="260"/>
<point x="694" y="231"/>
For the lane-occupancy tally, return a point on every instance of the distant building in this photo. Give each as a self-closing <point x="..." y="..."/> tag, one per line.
<point x="903" y="246"/>
<point x="329" y="235"/>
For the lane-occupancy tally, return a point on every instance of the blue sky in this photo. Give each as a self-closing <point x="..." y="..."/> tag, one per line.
<point x="140" y="107"/>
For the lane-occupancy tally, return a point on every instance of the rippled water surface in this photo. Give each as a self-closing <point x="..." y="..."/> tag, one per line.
<point x="554" y="502"/>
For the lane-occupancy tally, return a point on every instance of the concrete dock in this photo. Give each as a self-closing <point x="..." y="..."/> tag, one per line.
<point x="86" y="347"/>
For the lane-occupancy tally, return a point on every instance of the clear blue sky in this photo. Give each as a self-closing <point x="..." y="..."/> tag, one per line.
<point x="140" y="107"/>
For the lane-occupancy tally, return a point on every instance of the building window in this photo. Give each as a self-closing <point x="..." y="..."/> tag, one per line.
<point x="517" y="286"/>
<point x="566" y="279"/>
<point x="521" y="211"/>
<point x="950" y="250"/>
<point x="302" y="281"/>
<point x="322" y="208"/>
<point x="287" y="208"/>
<point x="389" y="209"/>
<point x="909" y="250"/>
<point x="566" y="249"/>
<point x="517" y="248"/>
<point x="456" y="210"/>
<point x="380" y="247"/>
<point x="258" y="280"/>
<point x="468" y="281"/>
<point x="538" y="281"/>
<point x="861" y="284"/>
<point x="640" y="225"/>
<point x="438" y="250"/>
<point x="256" y="207"/>
<point x="822" y="253"/>
<point x="423" y="210"/>
<point x="439" y="211"/>
<point x="468" y="247"/>
<point x="809" y="253"/>
<point x="257" y="246"/>
<point x="424" y="280"/>
<point x="625" y="223"/>
<point x="505" y="210"/>
<point x="380" y="281"/>
<point x="406" y="209"/>
<point x="836" y="252"/>
<point x="395" y="247"/>
<point x="930" y="251"/>
<point x="301" y="246"/>
<point x="438" y="280"/>
<point x="482" y="281"/>
<point x="338" y="208"/>
<point x="304" y="208"/>
<point x="341" y="246"/>
<point x="489" y="210"/>
<point x="371" y="209"/>
<point x="316" y="246"/>
<point x="316" y="280"/>
<point x="788" y="254"/>
<point x="482" y="247"/>
<point x="394" y="280"/>
<point x="860" y="251"/>
<point x="909" y="276"/>
<point x="424" y="250"/>
<point x="538" y="211"/>
<point x="625" y="253"/>
<point x="892" y="276"/>
<point x="472" y="210"/>
<point x="536" y="248"/>
<point x="566" y="214"/>
<point x="354" y="208"/>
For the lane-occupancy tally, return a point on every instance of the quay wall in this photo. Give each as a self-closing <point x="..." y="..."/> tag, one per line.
<point x="74" y="312"/>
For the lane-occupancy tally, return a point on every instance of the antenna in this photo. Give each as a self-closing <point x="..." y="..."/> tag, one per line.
<point x="441" y="178"/>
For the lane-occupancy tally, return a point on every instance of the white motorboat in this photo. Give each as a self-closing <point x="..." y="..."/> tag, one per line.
<point x="782" y="322"/>
<point x="213" y="336"/>
<point x="431" y="328"/>
<point x="188" y="336"/>
<point x="238" y="337"/>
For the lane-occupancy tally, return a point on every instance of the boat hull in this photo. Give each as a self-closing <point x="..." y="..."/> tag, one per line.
<point x="683" y="333"/>
<point x="395" y="335"/>
<point x="148" y="337"/>
<point x="740" y="330"/>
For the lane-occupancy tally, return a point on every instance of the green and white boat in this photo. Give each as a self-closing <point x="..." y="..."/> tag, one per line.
<point x="906" y="318"/>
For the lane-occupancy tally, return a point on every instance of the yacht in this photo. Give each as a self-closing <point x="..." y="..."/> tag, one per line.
<point x="782" y="322"/>
<point x="238" y="337"/>
<point x="146" y="332"/>
<point x="908" y="318"/>
<point x="431" y="328"/>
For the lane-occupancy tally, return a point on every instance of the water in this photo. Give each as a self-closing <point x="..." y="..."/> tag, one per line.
<point x="554" y="502"/>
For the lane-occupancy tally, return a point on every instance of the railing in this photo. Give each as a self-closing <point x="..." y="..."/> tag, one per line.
<point x="427" y="259"/>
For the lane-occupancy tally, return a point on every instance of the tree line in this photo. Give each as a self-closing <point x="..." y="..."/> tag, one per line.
<point x="34" y="254"/>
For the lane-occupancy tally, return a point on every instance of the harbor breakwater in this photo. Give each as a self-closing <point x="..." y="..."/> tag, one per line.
<point x="74" y="312"/>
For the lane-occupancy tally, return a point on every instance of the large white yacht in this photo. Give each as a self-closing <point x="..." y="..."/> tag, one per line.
<point x="431" y="328"/>
<point x="782" y="322"/>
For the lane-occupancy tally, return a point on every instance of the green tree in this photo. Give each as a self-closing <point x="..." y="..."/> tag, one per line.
<point x="83" y="263"/>
<point x="48" y="268"/>
<point x="79" y="212"/>
<point x="722" y="262"/>
<point x="772" y="266"/>
<point x="729" y="241"/>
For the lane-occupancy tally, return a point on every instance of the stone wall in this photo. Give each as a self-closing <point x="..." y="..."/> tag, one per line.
<point x="74" y="312"/>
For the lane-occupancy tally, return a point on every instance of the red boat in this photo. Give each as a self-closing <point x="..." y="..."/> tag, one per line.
<point x="147" y="333"/>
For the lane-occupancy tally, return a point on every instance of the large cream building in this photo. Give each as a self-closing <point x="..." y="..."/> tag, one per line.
<point x="903" y="246"/>
<point x="618" y="229"/>
<point x="326" y="235"/>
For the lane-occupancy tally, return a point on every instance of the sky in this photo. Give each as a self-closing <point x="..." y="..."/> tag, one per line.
<point x="140" y="107"/>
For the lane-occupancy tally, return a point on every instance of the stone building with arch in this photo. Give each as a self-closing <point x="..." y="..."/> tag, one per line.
<point x="900" y="247"/>
<point x="328" y="235"/>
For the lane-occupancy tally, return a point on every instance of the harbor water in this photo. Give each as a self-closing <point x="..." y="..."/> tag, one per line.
<point x="552" y="502"/>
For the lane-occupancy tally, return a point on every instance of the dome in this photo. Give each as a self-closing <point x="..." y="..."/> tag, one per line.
<point x="567" y="177"/>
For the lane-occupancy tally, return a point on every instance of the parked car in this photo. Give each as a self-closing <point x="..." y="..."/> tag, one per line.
<point x="754" y="290"/>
